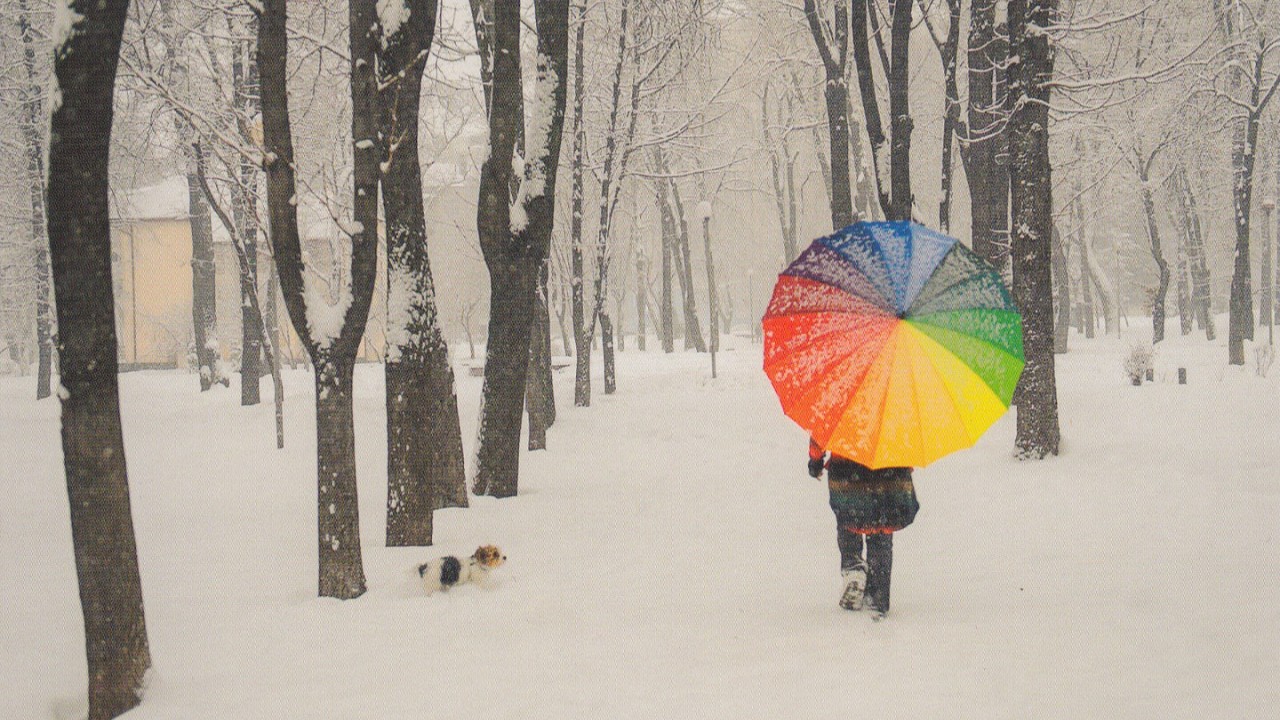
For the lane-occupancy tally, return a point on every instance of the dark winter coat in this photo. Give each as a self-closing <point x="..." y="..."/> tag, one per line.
<point x="871" y="501"/>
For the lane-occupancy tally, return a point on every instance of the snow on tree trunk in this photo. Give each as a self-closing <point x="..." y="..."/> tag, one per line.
<point x="86" y="51"/>
<point x="540" y="399"/>
<point x="670" y="194"/>
<point x="425" y="461"/>
<point x="331" y="335"/>
<point x="1030" y="68"/>
<point x="515" y="239"/>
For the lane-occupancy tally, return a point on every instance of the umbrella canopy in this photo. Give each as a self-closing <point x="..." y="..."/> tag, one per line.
<point x="892" y="344"/>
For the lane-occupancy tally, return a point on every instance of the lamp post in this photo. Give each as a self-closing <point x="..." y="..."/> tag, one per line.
<point x="751" y="302"/>
<point x="1265" y="309"/>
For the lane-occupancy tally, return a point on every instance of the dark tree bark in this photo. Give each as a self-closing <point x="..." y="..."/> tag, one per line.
<point x="246" y="94"/>
<point x="880" y="150"/>
<point x="1031" y="69"/>
<point x="642" y="283"/>
<point x="832" y="41"/>
<point x="515" y="237"/>
<point x="666" y="309"/>
<point x="34" y="147"/>
<point x="540" y="390"/>
<point x="617" y="150"/>
<point x="1240" y="316"/>
<point x="712" y="304"/>
<point x="332" y="349"/>
<point x="900" y="111"/>
<point x="1061" y="294"/>
<point x="204" y="300"/>
<point x="1157" y="253"/>
<point x="1087" y="314"/>
<point x="425" y="462"/>
<point x="988" y="145"/>
<point x="774" y="148"/>
<point x="269" y="346"/>
<point x="951" y="116"/>
<point x="581" y="340"/>
<point x="92" y="441"/>
<point x="1189" y="219"/>
<point x="670" y="197"/>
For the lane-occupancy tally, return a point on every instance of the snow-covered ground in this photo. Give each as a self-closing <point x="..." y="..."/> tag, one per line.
<point x="670" y="558"/>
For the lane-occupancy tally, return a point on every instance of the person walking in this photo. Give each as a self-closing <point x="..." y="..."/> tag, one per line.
<point x="869" y="505"/>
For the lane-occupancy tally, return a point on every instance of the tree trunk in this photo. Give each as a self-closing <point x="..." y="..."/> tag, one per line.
<point x="425" y="461"/>
<point x="540" y="392"/>
<point x="581" y="339"/>
<point x="785" y="220"/>
<point x="642" y="283"/>
<point x="951" y="114"/>
<point x="713" y="309"/>
<point x="340" y="567"/>
<point x="667" y="222"/>
<point x="987" y="166"/>
<point x="1031" y="69"/>
<point x="1157" y="253"/>
<point x="332" y="349"/>
<point x="834" y="52"/>
<point x="245" y="90"/>
<point x="1062" y="294"/>
<point x="880" y="148"/>
<point x="900" y="111"/>
<point x="1240" y="318"/>
<point x="1189" y="219"/>
<point x="102" y="533"/>
<point x="684" y="265"/>
<point x="204" y="302"/>
<point x="515" y="238"/>
<point x="1088" y="316"/>
<point x="34" y="146"/>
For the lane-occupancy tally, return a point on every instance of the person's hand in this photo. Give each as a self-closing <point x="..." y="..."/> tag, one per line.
<point x="815" y="467"/>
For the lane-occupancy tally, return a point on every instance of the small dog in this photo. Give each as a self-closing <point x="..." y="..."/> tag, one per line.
<point x="443" y="573"/>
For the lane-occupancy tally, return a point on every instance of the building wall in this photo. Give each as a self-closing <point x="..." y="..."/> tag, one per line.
<point x="151" y="267"/>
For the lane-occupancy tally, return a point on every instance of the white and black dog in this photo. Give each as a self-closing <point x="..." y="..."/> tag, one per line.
<point x="443" y="573"/>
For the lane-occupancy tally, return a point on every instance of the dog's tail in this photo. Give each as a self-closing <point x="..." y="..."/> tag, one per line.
<point x="422" y="569"/>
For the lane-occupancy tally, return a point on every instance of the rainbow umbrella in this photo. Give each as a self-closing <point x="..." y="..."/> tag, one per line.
<point x="892" y="344"/>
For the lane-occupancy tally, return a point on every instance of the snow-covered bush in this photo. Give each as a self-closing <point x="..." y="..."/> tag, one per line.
<point x="1140" y="359"/>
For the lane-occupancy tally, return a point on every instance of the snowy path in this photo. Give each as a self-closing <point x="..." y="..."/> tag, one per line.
<point x="670" y="558"/>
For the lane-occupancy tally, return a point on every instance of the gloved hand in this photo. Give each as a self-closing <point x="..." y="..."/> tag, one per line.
<point x="815" y="467"/>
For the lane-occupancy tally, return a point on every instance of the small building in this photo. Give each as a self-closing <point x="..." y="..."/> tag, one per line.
<point x="151" y="270"/>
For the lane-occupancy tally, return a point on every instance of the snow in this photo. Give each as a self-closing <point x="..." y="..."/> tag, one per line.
<point x="324" y="320"/>
<point x="392" y="15"/>
<point x="669" y="557"/>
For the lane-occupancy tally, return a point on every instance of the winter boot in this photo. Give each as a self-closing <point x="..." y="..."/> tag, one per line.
<point x="855" y="584"/>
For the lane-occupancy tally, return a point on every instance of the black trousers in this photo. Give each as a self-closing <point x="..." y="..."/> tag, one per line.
<point x="879" y="562"/>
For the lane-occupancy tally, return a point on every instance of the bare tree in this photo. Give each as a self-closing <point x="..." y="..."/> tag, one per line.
<point x="515" y="234"/>
<point x="1030" y="70"/>
<point x="831" y="36"/>
<point x="425" y="463"/>
<point x="33" y="141"/>
<point x="331" y="334"/>
<point x="85" y="60"/>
